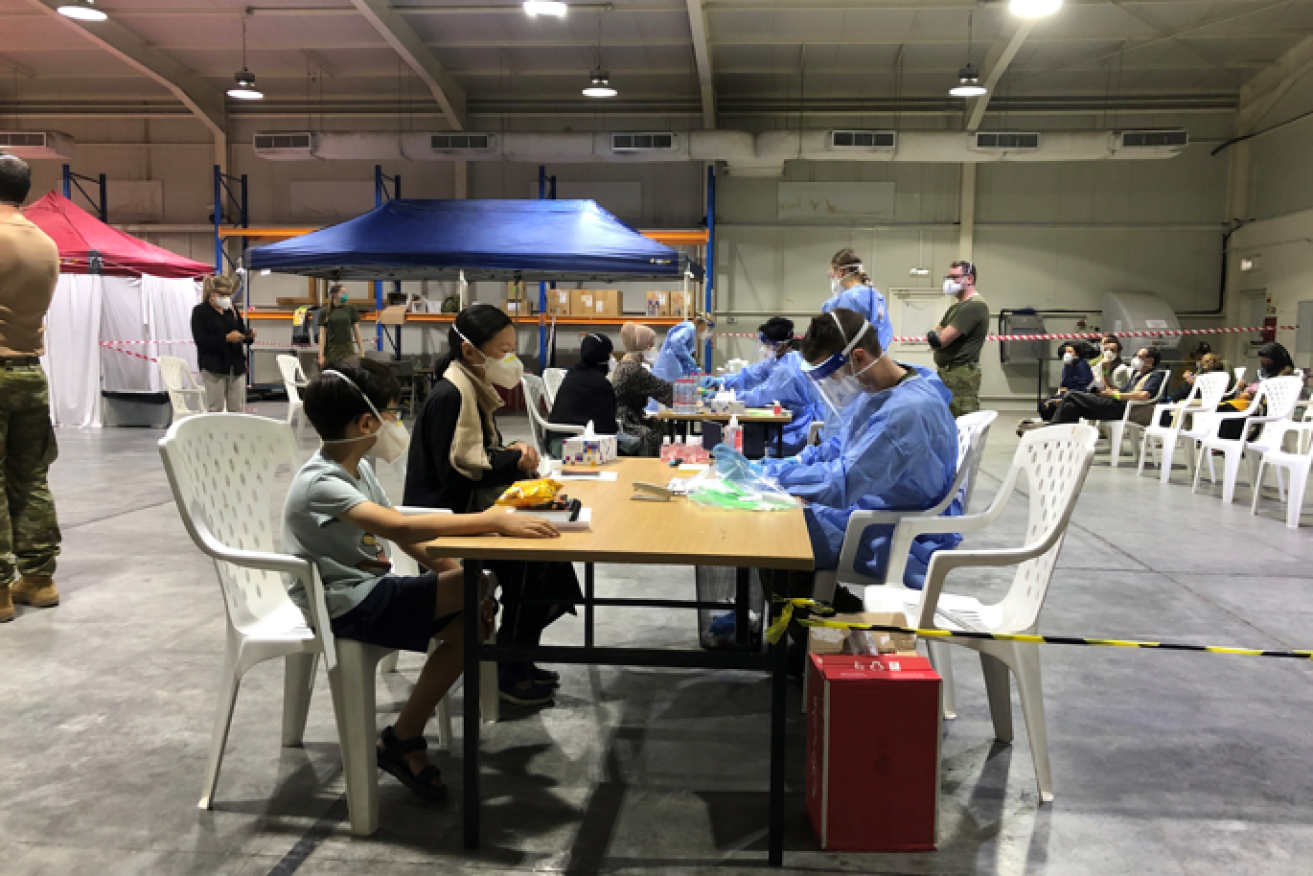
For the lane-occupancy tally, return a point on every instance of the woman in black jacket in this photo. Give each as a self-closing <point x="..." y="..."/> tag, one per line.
<point x="587" y="396"/>
<point x="221" y="340"/>
<point x="458" y="461"/>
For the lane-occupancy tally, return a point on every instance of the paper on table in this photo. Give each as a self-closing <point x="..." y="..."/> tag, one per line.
<point x="600" y="476"/>
<point x="561" y="519"/>
<point x="693" y="467"/>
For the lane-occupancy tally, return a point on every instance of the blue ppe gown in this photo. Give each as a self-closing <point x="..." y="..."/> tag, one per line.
<point x="870" y="304"/>
<point x="676" y="357"/>
<point x="898" y="451"/>
<point x="795" y="392"/>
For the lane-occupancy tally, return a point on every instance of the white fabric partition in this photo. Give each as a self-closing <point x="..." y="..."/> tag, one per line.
<point x="72" y="359"/>
<point x="87" y="310"/>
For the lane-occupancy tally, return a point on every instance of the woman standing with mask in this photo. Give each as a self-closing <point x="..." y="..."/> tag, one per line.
<point x="850" y="287"/>
<point x="339" y="328"/>
<point x="457" y="461"/>
<point x="221" y="340"/>
<point x="634" y="385"/>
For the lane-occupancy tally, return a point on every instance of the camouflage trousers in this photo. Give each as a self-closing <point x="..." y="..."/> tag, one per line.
<point x="29" y="530"/>
<point x="964" y="382"/>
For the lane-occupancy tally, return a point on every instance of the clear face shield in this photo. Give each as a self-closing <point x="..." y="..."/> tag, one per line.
<point x="835" y="378"/>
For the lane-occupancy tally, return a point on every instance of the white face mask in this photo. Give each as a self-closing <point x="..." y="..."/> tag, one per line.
<point x="765" y="352"/>
<point x="836" y="286"/>
<point x="1137" y="363"/>
<point x="390" y="441"/>
<point x="1109" y="355"/>
<point x="225" y="303"/>
<point x="504" y="372"/>
<point x="650" y="356"/>
<point x="843" y="390"/>
<point x="703" y="337"/>
<point x="1069" y="359"/>
<point x="951" y="287"/>
<point x="610" y="364"/>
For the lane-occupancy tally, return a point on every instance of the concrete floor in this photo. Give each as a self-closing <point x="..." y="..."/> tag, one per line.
<point x="1164" y="763"/>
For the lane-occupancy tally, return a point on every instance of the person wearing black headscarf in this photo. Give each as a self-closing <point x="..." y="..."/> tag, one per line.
<point x="1273" y="361"/>
<point x="586" y="396"/>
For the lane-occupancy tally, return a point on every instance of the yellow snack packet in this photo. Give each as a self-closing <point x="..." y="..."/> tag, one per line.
<point x="529" y="494"/>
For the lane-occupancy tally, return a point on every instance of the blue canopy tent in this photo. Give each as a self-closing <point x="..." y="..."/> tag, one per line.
<point x="533" y="241"/>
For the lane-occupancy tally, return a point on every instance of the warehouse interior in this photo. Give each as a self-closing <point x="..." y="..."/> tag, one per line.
<point x="1164" y="763"/>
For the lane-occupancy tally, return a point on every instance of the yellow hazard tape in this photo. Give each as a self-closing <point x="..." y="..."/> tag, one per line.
<point x="777" y="629"/>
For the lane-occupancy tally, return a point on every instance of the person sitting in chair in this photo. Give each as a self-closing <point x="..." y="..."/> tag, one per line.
<point x="1110" y="404"/>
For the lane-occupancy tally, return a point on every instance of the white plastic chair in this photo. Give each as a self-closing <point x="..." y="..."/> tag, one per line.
<point x="1055" y="460"/>
<point x="552" y="380"/>
<point x="972" y="435"/>
<point x="1117" y="428"/>
<point x="535" y="397"/>
<point x="294" y="380"/>
<point x="221" y="469"/>
<point x="182" y="386"/>
<point x="1280" y="394"/>
<point x="1296" y="463"/>
<point x="1205" y="395"/>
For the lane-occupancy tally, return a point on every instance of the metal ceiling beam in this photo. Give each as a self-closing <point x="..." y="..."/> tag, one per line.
<point x="1261" y="94"/>
<point x="697" y="24"/>
<point x="1000" y="56"/>
<point x="415" y="53"/>
<point x="202" y="99"/>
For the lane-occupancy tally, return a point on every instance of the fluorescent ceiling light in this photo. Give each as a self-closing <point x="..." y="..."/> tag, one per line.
<point x="545" y="7"/>
<point x="968" y="83"/>
<point x="600" y="85"/>
<point x="82" y="10"/>
<point x="245" y="88"/>
<point x="1034" y="8"/>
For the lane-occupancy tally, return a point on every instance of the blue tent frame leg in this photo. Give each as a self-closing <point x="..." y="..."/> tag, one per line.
<point x="709" y="268"/>
<point x="382" y="194"/>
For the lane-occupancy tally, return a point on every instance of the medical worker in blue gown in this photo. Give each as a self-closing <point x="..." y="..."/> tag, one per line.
<point x="676" y="357"/>
<point x="850" y="287"/>
<point x="777" y="376"/>
<point x="898" y="451"/>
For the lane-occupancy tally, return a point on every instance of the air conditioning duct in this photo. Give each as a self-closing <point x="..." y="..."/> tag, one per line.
<point x="36" y="144"/>
<point x="744" y="153"/>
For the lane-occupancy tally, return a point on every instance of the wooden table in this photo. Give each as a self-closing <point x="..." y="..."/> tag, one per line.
<point x="678" y="533"/>
<point x="674" y="422"/>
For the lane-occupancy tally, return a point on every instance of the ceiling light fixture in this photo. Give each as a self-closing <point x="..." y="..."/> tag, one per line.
<point x="545" y="7"/>
<point x="82" y="10"/>
<point x="245" y="88"/>
<point x="968" y="78"/>
<point x="1034" y="8"/>
<point x="599" y="79"/>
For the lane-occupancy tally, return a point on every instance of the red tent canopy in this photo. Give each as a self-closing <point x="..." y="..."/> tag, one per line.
<point x="83" y="239"/>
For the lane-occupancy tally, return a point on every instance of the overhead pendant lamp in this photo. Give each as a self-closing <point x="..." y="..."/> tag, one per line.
<point x="545" y="7"/>
<point x="1034" y="8"/>
<point x="245" y="88"/>
<point x="968" y="78"/>
<point x="599" y="81"/>
<point x="82" y="10"/>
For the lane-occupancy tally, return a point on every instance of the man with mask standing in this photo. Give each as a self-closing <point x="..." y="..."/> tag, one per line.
<point x="958" y="338"/>
<point x="29" y="530"/>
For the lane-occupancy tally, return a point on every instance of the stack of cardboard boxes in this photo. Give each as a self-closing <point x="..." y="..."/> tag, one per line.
<point x="594" y="303"/>
<point x="664" y="303"/>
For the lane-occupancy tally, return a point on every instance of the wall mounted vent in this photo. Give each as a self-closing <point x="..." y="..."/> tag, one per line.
<point x="863" y="139"/>
<point x="1011" y="140"/>
<point x="643" y="142"/>
<point x="36" y="144"/>
<point x="1154" y="139"/>
<point x="460" y="142"/>
<point x="288" y="146"/>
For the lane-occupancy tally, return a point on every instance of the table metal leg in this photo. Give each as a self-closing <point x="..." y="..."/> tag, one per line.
<point x="588" y="605"/>
<point x="778" y="660"/>
<point x="742" y="594"/>
<point x="779" y="438"/>
<point x="473" y="580"/>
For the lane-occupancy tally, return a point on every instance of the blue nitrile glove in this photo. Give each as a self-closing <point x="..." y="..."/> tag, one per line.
<point x="710" y="382"/>
<point x="734" y="466"/>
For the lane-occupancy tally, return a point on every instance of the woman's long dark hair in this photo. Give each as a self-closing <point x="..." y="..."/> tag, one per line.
<point x="1279" y="355"/>
<point x="478" y="323"/>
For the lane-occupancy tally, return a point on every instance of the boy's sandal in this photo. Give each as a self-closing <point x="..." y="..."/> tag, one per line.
<point x="391" y="759"/>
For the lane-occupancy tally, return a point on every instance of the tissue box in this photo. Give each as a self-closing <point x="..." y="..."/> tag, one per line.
<point x="589" y="450"/>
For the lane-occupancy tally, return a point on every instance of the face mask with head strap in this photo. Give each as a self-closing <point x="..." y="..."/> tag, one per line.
<point x="391" y="439"/>
<point x="504" y="372"/>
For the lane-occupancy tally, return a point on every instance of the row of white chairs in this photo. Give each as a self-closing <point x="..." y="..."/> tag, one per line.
<point x="1262" y="443"/>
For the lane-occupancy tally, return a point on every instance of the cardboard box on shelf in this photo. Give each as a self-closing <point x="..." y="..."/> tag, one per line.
<point x="517" y="307"/>
<point x="834" y="640"/>
<point x="682" y="305"/>
<point x="873" y="728"/>
<point x="393" y="315"/>
<point x="658" y="303"/>
<point x="581" y="302"/>
<point x="517" y="291"/>
<point x="608" y="302"/>
<point x="558" y="302"/>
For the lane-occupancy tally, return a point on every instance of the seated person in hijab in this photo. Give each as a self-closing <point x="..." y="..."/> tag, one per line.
<point x="586" y="396"/>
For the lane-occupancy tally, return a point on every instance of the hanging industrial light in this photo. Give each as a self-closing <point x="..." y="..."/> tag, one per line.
<point x="599" y="80"/>
<point x="1034" y="8"/>
<point x="82" y="10"/>
<point x="545" y="7"/>
<point x="245" y="88"/>
<point x="968" y="78"/>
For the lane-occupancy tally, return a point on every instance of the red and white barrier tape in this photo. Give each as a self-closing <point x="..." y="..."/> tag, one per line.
<point x="1087" y="336"/>
<point x="190" y="341"/>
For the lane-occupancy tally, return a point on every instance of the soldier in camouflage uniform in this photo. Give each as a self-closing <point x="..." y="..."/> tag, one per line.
<point x="29" y="530"/>
<point x="958" y="338"/>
